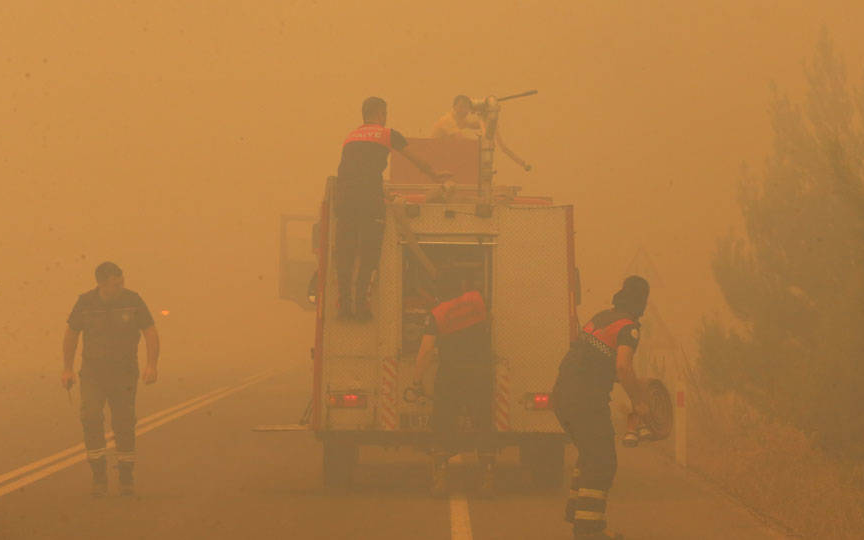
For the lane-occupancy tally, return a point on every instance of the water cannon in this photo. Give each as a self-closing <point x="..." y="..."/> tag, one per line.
<point x="488" y="109"/>
<point x="491" y="103"/>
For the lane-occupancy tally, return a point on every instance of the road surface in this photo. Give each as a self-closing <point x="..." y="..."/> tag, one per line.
<point x="203" y="473"/>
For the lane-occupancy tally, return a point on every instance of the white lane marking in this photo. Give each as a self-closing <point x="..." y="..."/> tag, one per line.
<point x="460" y="519"/>
<point x="460" y="516"/>
<point x="151" y="422"/>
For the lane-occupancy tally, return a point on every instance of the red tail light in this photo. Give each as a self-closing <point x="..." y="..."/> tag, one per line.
<point x="539" y="402"/>
<point x="347" y="401"/>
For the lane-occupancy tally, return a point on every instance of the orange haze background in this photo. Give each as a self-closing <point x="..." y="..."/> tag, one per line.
<point x="168" y="137"/>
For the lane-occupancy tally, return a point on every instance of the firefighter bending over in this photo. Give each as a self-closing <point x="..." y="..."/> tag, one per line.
<point x="112" y="319"/>
<point x="603" y="352"/>
<point x="461" y="122"/>
<point x="359" y="202"/>
<point x="463" y="384"/>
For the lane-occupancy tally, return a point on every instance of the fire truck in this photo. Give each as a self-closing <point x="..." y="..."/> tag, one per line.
<point x="521" y="252"/>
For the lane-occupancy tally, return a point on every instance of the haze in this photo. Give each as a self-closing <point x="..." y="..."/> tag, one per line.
<point x="168" y="137"/>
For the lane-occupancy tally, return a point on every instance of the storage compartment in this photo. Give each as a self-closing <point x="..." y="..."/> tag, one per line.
<point x="420" y="293"/>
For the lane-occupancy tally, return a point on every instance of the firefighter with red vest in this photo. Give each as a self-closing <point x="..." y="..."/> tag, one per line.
<point x="602" y="354"/>
<point x="359" y="202"/>
<point x="463" y="383"/>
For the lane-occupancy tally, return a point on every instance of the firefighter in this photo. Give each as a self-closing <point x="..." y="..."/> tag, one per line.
<point x="459" y="328"/>
<point x="460" y="122"/>
<point x="360" y="203"/>
<point x="602" y="354"/>
<point x="112" y="319"/>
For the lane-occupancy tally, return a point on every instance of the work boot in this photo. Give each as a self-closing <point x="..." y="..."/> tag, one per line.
<point x="364" y="313"/>
<point x="99" y="487"/>
<point x="343" y="313"/>
<point x="127" y="481"/>
<point x="439" y="477"/>
<point x="343" y="307"/>
<point x="487" y="479"/>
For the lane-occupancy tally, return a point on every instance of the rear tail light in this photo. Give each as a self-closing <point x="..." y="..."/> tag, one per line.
<point x="538" y="402"/>
<point x="347" y="401"/>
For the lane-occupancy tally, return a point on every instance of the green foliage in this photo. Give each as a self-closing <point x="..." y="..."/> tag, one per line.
<point x="797" y="280"/>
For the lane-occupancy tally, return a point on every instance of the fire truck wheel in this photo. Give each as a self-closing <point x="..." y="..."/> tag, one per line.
<point x="545" y="461"/>
<point x="340" y="457"/>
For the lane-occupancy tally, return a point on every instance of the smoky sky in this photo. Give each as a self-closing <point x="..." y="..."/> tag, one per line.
<point x="169" y="137"/>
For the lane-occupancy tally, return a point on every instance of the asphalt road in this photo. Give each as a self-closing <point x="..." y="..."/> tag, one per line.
<point x="203" y="473"/>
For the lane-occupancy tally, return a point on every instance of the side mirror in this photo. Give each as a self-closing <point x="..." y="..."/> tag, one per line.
<point x="297" y="259"/>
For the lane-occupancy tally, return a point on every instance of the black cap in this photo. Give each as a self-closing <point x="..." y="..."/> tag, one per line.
<point x="633" y="296"/>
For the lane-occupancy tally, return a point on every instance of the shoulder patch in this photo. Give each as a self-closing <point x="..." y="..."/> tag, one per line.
<point x="634" y="333"/>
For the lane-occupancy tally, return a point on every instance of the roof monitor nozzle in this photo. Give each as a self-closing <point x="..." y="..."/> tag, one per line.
<point x="488" y="109"/>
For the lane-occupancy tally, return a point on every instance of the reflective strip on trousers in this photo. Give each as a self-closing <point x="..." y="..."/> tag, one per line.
<point x="570" y="508"/>
<point x="590" y="516"/>
<point x="97" y="454"/>
<point x="125" y="457"/>
<point x="591" y="493"/>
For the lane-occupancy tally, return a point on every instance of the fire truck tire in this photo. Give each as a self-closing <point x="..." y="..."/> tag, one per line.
<point x="545" y="461"/>
<point x="340" y="458"/>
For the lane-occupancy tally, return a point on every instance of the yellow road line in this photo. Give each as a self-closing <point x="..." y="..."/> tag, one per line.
<point x="146" y="424"/>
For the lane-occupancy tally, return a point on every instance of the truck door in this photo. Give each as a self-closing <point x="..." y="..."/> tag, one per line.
<point x="298" y="259"/>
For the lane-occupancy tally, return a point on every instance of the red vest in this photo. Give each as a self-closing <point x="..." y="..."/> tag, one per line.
<point x="608" y="334"/>
<point x="459" y="313"/>
<point x="373" y="133"/>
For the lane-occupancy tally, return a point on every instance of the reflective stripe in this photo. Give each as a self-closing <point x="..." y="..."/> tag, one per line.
<point x="590" y="516"/>
<point x="574" y="493"/>
<point x="125" y="457"/>
<point x="373" y="133"/>
<point x="576" y="473"/>
<point x="592" y="493"/>
<point x="99" y="453"/>
<point x="598" y="345"/>
<point x="459" y="313"/>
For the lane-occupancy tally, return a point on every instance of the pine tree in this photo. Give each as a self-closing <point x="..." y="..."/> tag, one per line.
<point x="796" y="280"/>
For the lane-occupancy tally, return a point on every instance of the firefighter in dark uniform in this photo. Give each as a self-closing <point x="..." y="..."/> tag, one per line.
<point x="602" y="354"/>
<point x="359" y="203"/>
<point x="463" y="383"/>
<point x="112" y="319"/>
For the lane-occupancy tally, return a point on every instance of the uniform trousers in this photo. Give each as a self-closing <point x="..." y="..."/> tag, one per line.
<point x="463" y="391"/>
<point x="357" y="236"/>
<point x="585" y="416"/>
<point x="117" y="388"/>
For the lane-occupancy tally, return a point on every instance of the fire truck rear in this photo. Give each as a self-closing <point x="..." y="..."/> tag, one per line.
<point x="521" y="253"/>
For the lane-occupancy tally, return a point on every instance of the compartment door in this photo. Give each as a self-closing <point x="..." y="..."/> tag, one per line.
<point x="532" y="307"/>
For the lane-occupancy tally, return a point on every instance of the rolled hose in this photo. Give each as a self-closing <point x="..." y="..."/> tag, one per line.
<point x="661" y="417"/>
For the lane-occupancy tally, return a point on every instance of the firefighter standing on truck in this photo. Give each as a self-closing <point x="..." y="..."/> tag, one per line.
<point x="112" y="319"/>
<point x="461" y="123"/>
<point x="359" y="204"/>
<point x="459" y="328"/>
<point x="602" y="353"/>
